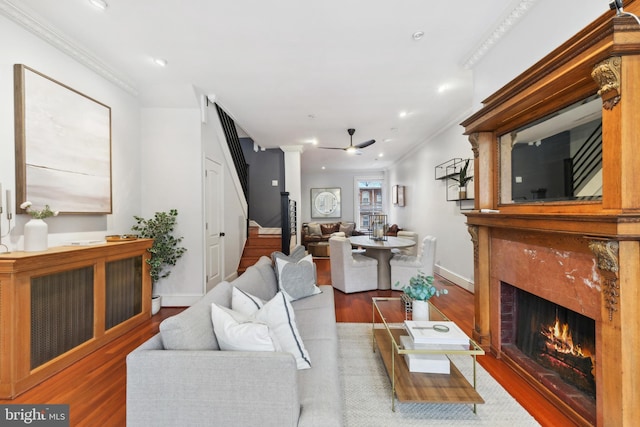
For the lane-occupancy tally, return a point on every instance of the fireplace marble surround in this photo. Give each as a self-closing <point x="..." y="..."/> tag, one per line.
<point x="583" y="255"/>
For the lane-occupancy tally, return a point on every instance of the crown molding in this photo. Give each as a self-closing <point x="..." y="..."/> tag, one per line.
<point x="57" y="40"/>
<point x="498" y="31"/>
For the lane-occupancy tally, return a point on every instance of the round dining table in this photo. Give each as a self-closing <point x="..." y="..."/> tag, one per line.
<point x="381" y="250"/>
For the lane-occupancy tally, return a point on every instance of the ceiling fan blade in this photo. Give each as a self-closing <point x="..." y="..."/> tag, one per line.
<point x="366" y="144"/>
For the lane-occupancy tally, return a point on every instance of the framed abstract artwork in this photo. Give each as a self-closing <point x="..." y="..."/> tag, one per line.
<point x="325" y="203"/>
<point x="63" y="146"/>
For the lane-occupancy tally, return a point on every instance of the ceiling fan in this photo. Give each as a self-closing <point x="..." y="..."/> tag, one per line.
<point x="352" y="148"/>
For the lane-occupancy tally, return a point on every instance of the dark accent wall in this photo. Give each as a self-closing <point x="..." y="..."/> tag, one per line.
<point x="264" y="167"/>
<point x="541" y="167"/>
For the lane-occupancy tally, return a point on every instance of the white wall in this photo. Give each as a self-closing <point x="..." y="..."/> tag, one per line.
<point x="332" y="179"/>
<point x="18" y="46"/>
<point x="427" y="210"/>
<point x="157" y="164"/>
<point x="171" y="169"/>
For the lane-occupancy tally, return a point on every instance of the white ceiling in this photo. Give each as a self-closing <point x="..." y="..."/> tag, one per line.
<point x="293" y="71"/>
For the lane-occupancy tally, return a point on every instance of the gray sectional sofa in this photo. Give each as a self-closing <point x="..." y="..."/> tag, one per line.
<point x="180" y="377"/>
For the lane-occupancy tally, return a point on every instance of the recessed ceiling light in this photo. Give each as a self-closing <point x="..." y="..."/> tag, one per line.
<point x="387" y="140"/>
<point x="161" y="62"/>
<point x="323" y="168"/>
<point x="403" y="114"/>
<point x="100" y="4"/>
<point x="418" y="35"/>
<point x="381" y="155"/>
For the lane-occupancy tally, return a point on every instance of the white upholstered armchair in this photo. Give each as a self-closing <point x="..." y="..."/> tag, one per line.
<point x="351" y="272"/>
<point x="411" y="250"/>
<point x="404" y="267"/>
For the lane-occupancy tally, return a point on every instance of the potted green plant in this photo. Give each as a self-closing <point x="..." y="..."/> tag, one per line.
<point x="166" y="249"/>
<point x="419" y="290"/>
<point x="462" y="178"/>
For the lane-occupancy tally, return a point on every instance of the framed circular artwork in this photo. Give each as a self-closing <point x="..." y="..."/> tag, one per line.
<point x="325" y="203"/>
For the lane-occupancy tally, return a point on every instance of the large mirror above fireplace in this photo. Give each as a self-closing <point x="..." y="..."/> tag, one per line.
<point x="556" y="158"/>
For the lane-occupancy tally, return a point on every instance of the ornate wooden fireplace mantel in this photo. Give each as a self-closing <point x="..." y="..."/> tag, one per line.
<point x="582" y="253"/>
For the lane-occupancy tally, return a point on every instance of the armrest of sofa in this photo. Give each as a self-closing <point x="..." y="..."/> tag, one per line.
<point x="173" y="387"/>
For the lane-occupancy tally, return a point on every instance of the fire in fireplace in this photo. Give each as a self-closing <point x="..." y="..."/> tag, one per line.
<point x="553" y="344"/>
<point x="558" y="339"/>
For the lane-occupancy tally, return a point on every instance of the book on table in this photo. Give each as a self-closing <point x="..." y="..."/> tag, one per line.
<point x="424" y="363"/>
<point x="439" y="332"/>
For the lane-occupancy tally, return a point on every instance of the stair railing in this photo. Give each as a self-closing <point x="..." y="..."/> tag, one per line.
<point x="289" y="221"/>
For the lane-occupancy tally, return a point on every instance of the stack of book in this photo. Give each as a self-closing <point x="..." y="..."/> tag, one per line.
<point x="432" y="335"/>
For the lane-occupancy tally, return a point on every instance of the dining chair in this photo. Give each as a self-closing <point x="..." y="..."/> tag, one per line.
<point x="351" y="272"/>
<point x="404" y="267"/>
<point x="411" y="250"/>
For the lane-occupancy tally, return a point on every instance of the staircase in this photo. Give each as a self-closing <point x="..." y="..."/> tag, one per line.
<point x="258" y="245"/>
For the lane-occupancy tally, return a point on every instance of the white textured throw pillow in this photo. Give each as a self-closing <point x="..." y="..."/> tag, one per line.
<point x="245" y="303"/>
<point x="235" y="331"/>
<point x="297" y="279"/>
<point x="279" y="316"/>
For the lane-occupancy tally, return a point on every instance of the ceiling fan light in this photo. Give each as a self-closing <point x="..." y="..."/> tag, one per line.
<point x="351" y="150"/>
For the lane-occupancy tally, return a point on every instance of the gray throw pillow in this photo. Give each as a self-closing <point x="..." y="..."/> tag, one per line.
<point x="347" y="228"/>
<point x="314" y="229"/>
<point x="297" y="279"/>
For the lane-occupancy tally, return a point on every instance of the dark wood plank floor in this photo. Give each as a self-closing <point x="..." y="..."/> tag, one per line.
<point x="95" y="387"/>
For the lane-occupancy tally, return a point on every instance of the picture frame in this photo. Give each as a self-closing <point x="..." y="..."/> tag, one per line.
<point x="63" y="146"/>
<point x="325" y="203"/>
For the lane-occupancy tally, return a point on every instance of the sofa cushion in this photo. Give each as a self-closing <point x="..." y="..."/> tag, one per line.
<point x="192" y="328"/>
<point x="329" y="228"/>
<point x="278" y="314"/>
<point x="245" y="303"/>
<point x="314" y="229"/>
<point x="347" y="228"/>
<point x="297" y="279"/>
<point x="296" y="255"/>
<point x="258" y="280"/>
<point x="234" y="331"/>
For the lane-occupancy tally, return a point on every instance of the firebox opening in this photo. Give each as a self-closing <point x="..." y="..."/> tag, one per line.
<point x="553" y="344"/>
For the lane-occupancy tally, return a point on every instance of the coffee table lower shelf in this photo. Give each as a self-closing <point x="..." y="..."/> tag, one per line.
<point x="421" y="387"/>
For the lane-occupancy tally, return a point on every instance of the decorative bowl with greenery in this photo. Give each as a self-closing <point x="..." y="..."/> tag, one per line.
<point x="421" y="288"/>
<point x="165" y="250"/>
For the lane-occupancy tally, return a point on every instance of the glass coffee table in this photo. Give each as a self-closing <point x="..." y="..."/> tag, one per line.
<point x="388" y="327"/>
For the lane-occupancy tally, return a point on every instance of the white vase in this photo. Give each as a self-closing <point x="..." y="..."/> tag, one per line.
<point x="420" y="310"/>
<point x="156" y="304"/>
<point x="36" y="235"/>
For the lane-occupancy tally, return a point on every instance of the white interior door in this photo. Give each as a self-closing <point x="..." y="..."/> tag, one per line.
<point x="213" y="225"/>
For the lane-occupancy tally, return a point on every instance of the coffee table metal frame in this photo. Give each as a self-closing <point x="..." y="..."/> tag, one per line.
<point x="409" y="386"/>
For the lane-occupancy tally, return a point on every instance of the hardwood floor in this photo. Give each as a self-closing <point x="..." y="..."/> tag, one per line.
<point x="95" y="387"/>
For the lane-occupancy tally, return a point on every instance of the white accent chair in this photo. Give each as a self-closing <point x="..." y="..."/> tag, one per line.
<point x="351" y="272"/>
<point x="411" y="250"/>
<point x="404" y="267"/>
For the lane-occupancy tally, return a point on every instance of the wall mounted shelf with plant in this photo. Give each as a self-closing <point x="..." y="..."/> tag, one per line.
<point x="457" y="174"/>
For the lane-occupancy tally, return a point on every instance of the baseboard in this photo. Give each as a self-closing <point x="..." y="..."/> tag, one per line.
<point x="463" y="282"/>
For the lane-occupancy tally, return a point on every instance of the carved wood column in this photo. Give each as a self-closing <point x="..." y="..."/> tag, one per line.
<point x="482" y="280"/>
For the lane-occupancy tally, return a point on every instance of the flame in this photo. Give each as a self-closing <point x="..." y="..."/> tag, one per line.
<point x="560" y="339"/>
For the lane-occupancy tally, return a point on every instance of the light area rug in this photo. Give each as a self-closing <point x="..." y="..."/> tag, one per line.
<point x="367" y="392"/>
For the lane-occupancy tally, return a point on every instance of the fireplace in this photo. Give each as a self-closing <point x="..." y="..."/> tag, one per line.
<point x="581" y="254"/>
<point x="552" y="344"/>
